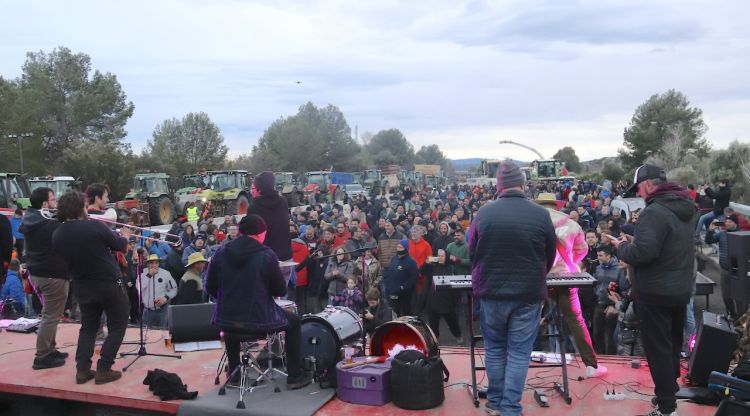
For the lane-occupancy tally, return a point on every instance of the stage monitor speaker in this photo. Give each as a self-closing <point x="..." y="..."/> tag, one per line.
<point x="192" y="322"/>
<point x="739" y="259"/>
<point x="714" y="345"/>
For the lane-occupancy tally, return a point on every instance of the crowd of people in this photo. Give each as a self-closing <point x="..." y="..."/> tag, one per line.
<point x="374" y="254"/>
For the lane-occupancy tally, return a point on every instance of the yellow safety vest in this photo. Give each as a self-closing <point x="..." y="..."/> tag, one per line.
<point x="192" y="214"/>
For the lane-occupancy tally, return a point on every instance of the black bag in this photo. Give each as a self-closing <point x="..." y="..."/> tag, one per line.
<point x="417" y="381"/>
<point x="729" y="407"/>
<point x="743" y="368"/>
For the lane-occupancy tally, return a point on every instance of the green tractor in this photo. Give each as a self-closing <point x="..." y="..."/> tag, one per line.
<point x="14" y="192"/>
<point x="192" y="187"/>
<point x="227" y="193"/>
<point x="58" y="184"/>
<point x="150" y="195"/>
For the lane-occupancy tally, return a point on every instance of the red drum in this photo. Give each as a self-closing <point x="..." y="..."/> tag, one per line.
<point x="406" y="330"/>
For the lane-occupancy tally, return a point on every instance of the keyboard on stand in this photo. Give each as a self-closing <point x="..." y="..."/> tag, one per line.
<point x="458" y="282"/>
<point x="463" y="282"/>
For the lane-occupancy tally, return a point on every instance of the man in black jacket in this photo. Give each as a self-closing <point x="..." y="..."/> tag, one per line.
<point x="6" y="246"/>
<point x="49" y="274"/>
<point x="512" y="247"/>
<point x="717" y="235"/>
<point x="243" y="277"/>
<point x="721" y="199"/>
<point x="661" y="255"/>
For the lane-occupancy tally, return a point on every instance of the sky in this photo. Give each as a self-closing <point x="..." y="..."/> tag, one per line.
<point x="460" y="74"/>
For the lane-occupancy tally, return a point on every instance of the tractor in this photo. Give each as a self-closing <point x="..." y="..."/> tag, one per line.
<point x="14" y="193"/>
<point x="149" y="200"/>
<point x="58" y="184"/>
<point x="226" y="193"/>
<point x="190" y="192"/>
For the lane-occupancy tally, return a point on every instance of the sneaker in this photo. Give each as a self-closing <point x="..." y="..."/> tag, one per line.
<point x="47" y="362"/>
<point x="83" y="376"/>
<point x="294" y="383"/>
<point x="104" y="377"/>
<point x="657" y="412"/>
<point x="59" y="354"/>
<point x="599" y="371"/>
<point x="491" y="410"/>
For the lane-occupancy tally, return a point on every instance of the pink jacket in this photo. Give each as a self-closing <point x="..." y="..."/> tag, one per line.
<point x="571" y="240"/>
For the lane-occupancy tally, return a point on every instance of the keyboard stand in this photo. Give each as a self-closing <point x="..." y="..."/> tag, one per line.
<point x="564" y="390"/>
<point x="473" y="341"/>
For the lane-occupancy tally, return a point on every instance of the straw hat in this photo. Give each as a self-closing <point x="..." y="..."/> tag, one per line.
<point x="195" y="258"/>
<point x="153" y="257"/>
<point x="546" y="198"/>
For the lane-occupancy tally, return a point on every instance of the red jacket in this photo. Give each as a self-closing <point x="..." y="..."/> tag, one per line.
<point x="420" y="251"/>
<point x="300" y="252"/>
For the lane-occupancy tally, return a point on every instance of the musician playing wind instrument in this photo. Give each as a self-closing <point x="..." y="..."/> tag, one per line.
<point x="87" y="248"/>
<point x="49" y="274"/>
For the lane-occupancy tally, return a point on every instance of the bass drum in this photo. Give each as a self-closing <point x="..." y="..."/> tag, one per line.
<point x="406" y="330"/>
<point x="325" y="333"/>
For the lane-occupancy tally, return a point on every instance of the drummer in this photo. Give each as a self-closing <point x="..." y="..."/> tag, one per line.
<point x="246" y="268"/>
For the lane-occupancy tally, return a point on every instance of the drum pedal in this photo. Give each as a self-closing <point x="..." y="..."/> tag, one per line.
<point x="541" y="398"/>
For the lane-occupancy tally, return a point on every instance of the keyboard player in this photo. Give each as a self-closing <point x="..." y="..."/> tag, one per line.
<point x="571" y="249"/>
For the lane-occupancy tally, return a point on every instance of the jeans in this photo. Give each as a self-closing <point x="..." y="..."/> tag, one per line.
<point x="96" y="298"/>
<point x="705" y="220"/>
<point x="155" y="318"/>
<point x="509" y="329"/>
<point x="54" y="294"/>
<point x="690" y="320"/>
<point x="292" y="345"/>
<point x="661" y="328"/>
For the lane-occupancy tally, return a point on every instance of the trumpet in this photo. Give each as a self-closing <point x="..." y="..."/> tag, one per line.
<point x="110" y="217"/>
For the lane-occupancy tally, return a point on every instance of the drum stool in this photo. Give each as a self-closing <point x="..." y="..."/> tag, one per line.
<point x="249" y="366"/>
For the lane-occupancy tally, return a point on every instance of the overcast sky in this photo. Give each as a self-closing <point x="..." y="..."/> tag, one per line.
<point x="462" y="75"/>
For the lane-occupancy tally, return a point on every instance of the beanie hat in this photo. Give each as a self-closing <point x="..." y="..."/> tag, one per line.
<point x="733" y="218"/>
<point x="252" y="224"/>
<point x="509" y="175"/>
<point x="264" y="182"/>
<point x="404" y="244"/>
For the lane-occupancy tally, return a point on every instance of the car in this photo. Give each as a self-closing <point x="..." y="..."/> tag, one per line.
<point x="354" y="189"/>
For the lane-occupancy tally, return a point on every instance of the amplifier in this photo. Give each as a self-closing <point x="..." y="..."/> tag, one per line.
<point x="192" y="322"/>
<point x="714" y="345"/>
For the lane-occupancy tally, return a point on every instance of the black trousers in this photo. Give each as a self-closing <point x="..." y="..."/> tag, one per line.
<point x="135" y="315"/>
<point x="661" y="329"/>
<point x="451" y="319"/>
<point x="402" y="305"/>
<point x="292" y="345"/>
<point x="604" y="332"/>
<point x="96" y="298"/>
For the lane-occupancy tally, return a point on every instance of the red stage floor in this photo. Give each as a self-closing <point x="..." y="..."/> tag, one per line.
<point x="197" y="370"/>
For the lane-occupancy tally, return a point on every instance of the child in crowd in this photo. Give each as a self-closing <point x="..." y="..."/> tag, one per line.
<point x="352" y="296"/>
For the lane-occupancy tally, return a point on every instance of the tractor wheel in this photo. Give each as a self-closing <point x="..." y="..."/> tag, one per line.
<point x="238" y="206"/>
<point x="161" y="211"/>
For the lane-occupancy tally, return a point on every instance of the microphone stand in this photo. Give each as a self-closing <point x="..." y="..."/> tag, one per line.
<point x="142" y="342"/>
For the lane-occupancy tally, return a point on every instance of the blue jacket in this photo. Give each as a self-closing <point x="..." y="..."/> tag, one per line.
<point x="160" y="249"/>
<point x="14" y="224"/>
<point x="14" y="289"/>
<point x="243" y="277"/>
<point x="720" y="236"/>
<point x="512" y="246"/>
<point x="401" y="277"/>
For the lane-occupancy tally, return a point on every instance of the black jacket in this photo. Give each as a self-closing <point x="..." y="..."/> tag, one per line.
<point x="662" y="252"/>
<point x="6" y="241"/>
<point x="87" y="246"/>
<point x="401" y="277"/>
<point x="275" y="211"/>
<point x="243" y="277"/>
<point x="721" y="198"/>
<point x="512" y="247"/>
<point x="40" y="259"/>
<point x="442" y="301"/>
<point x="721" y="237"/>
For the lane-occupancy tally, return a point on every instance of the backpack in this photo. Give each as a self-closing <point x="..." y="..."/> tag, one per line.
<point x="417" y="381"/>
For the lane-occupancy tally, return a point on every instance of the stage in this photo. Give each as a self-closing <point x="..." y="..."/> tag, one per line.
<point x="54" y="391"/>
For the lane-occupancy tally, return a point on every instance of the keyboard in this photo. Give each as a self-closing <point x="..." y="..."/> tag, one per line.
<point x="463" y="282"/>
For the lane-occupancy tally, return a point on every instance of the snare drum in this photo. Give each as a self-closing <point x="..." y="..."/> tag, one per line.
<point x="287" y="305"/>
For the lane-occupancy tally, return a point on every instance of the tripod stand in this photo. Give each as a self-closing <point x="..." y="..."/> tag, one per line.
<point x="142" y="342"/>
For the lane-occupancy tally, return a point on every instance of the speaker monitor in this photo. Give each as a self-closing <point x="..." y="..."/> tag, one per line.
<point x="192" y="322"/>
<point x="714" y="345"/>
<point x="739" y="259"/>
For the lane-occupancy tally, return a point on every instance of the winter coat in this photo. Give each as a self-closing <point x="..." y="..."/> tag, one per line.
<point x="373" y="273"/>
<point x="301" y="255"/>
<point x="387" y="246"/>
<point x="13" y="289"/>
<point x="463" y="264"/>
<point x="606" y="274"/>
<point x="512" y="247"/>
<point x="243" y="277"/>
<point x="721" y="237"/>
<point x="721" y="198"/>
<point x="337" y="283"/>
<point x="40" y="259"/>
<point x="662" y="251"/>
<point x="442" y="301"/>
<point x="275" y="212"/>
<point x="401" y="276"/>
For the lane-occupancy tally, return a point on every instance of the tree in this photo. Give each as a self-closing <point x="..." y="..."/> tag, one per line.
<point x="314" y="138"/>
<point x="651" y="122"/>
<point x="431" y="155"/>
<point x="568" y="155"/>
<point x="612" y="171"/>
<point x="106" y="161"/>
<point x="390" y="147"/>
<point x="70" y="104"/>
<point x="188" y="145"/>
<point x="730" y="164"/>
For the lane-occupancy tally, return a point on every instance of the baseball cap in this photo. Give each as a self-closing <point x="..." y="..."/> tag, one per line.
<point x="644" y="173"/>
